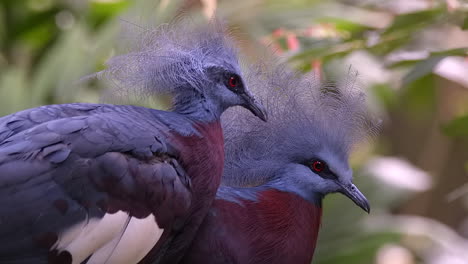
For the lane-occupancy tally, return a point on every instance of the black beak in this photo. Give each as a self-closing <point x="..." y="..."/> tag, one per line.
<point x="353" y="193"/>
<point x="256" y="108"/>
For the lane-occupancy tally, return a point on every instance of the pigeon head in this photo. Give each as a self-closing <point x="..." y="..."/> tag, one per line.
<point x="195" y="63"/>
<point x="305" y="146"/>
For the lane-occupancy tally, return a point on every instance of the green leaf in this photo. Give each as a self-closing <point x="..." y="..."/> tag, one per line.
<point x="389" y="43"/>
<point x="309" y="54"/>
<point x="385" y="94"/>
<point x="328" y="51"/>
<point x="419" y="96"/>
<point x="312" y="43"/>
<point x="465" y="23"/>
<point x="39" y="35"/>
<point x="404" y="28"/>
<point x="344" y="25"/>
<point x="422" y="69"/>
<point x="451" y="52"/>
<point x="336" y="55"/>
<point x="404" y="63"/>
<point x="411" y="21"/>
<point x="32" y="21"/>
<point x="101" y="11"/>
<point x="443" y="53"/>
<point x="458" y="127"/>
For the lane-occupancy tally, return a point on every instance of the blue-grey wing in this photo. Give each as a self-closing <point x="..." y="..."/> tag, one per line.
<point x="68" y="172"/>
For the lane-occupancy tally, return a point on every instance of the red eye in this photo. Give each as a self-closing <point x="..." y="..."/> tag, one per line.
<point x="233" y="81"/>
<point x="318" y="166"/>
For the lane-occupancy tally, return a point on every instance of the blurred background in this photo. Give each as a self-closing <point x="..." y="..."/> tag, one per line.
<point x="412" y="60"/>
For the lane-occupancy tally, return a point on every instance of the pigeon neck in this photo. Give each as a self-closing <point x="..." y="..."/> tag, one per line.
<point x="238" y="194"/>
<point x="196" y="106"/>
<point x="284" y="186"/>
<point x="251" y="190"/>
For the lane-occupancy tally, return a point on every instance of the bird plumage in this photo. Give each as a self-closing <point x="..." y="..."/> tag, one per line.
<point x="271" y="226"/>
<point x="79" y="181"/>
<point x="334" y="114"/>
<point x="268" y="208"/>
<point x="65" y="164"/>
<point x="184" y="59"/>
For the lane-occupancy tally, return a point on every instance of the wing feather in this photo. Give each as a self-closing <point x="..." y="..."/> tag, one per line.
<point x="71" y="175"/>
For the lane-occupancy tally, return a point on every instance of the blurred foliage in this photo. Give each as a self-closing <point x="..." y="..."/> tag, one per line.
<point x="457" y="127"/>
<point x="398" y="47"/>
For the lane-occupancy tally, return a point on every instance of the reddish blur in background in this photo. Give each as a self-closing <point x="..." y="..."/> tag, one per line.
<point x="412" y="60"/>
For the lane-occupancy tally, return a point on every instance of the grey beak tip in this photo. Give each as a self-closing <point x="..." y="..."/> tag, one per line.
<point x="367" y="209"/>
<point x="260" y="111"/>
<point x="257" y="109"/>
<point x="357" y="197"/>
<point x="364" y="204"/>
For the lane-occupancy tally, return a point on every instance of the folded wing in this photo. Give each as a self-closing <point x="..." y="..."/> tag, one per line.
<point x="79" y="182"/>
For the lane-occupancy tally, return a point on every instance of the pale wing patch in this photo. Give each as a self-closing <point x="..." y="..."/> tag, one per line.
<point x="140" y="236"/>
<point x="82" y="241"/>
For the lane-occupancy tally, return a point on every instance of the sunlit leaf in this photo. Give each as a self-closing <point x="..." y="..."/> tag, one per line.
<point x="101" y="11"/>
<point x="344" y="25"/>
